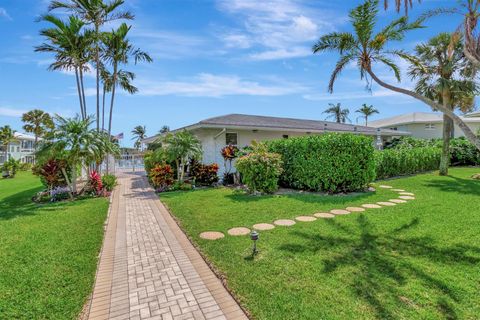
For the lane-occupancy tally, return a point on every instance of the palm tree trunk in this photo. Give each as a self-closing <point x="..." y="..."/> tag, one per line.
<point x="83" y="93"/>
<point x="469" y="134"/>
<point x="114" y="84"/>
<point x="366" y="121"/>
<point x="103" y="109"/>
<point x="97" y="66"/>
<point x="447" y="132"/>
<point x="74" y="179"/>
<point x="79" y="93"/>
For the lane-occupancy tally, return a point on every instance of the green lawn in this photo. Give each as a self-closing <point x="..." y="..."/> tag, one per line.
<point x="48" y="253"/>
<point x="418" y="260"/>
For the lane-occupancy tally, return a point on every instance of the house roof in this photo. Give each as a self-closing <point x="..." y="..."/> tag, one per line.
<point x="253" y="122"/>
<point x="415" y="117"/>
<point x="473" y="115"/>
<point x="23" y="136"/>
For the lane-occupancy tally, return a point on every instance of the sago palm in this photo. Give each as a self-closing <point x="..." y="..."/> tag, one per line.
<point x="367" y="48"/>
<point x="366" y="112"/>
<point x="139" y="133"/>
<point x="336" y="112"/>
<point x="37" y="122"/>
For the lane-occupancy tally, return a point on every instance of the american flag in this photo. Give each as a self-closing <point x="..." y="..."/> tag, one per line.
<point x="119" y="136"/>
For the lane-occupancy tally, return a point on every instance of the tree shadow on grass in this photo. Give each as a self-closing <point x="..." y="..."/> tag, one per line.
<point x="382" y="263"/>
<point x="455" y="184"/>
<point x="18" y="204"/>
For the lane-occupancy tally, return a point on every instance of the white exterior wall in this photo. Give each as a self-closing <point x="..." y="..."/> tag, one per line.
<point x="418" y="130"/>
<point x="16" y="152"/>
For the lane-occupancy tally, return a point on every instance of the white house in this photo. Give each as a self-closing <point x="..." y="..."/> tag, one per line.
<point x="22" y="149"/>
<point x="425" y="125"/>
<point x="240" y="130"/>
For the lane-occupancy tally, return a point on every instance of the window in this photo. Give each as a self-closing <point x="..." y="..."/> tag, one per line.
<point x="231" y="138"/>
<point x="394" y="128"/>
<point x="430" y="126"/>
<point x="285" y="136"/>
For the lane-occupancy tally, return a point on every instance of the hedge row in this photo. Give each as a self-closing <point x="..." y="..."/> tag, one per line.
<point x="330" y="162"/>
<point x="403" y="161"/>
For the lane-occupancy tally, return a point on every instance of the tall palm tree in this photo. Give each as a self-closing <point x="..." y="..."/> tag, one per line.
<point x="96" y="13"/>
<point x="118" y="51"/>
<point x="366" y="111"/>
<point x="139" y="133"/>
<point x="70" y="45"/>
<point x="407" y="4"/>
<point x="445" y="75"/>
<point x="337" y="113"/>
<point x="7" y="136"/>
<point x="181" y="147"/>
<point x="366" y="48"/>
<point x="164" y="129"/>
<point x="37" y="122"/>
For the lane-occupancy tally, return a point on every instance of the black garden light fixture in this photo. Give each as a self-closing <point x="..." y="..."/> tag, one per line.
<point x="254" y="237"/>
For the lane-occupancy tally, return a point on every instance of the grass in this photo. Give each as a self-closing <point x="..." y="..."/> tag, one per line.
<point x="48" y="253"/>
<point x="418" y="260"/>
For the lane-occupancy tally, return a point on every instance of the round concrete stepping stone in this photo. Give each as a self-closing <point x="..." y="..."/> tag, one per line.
<point x="371" y="206"/>
<point x="211" y="235"/>
<point x="339" y="211"/>
<point x="386" y="203"/>
<point x="284" y="222"/>
<point x="385" y="187"/>
<point x="239" y="231"/>
<point x="355" y="209"/>
<point x="305" y="218"/>
<point x="398" y="190"/>
<point x="263" y="226"/>
<point x="397" y="200"/>
<point x="407" y="197"/>
<point x="324" y="215"/>
<point x="407" y="194"/>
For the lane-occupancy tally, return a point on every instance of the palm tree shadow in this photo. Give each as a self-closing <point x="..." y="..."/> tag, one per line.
<point x="455" y="184"/>
<point x="382" y="263"/>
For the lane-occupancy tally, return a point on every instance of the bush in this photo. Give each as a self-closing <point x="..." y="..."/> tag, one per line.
<point x="50" y="173"/>
<point x="10" y="168"/>
<point x="205" y="175"/>
<point x="260" y="170"/>
<point x="397" y="162"/>
<point x="330" y="162"/>
<point x="25" y="166"/>
<point x="94" y="184"/>
<point x="109" y="182"/>
<point x="161" y="177"/>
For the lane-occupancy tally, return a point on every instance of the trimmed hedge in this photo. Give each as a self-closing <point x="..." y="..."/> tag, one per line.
<point x="403" y="161"/>
<point x="330" y="162"/>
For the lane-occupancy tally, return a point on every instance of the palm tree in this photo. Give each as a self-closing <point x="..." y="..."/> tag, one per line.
<point x="96" y="13"/>
<point x="366" y="48"/>
<point x="71" y="47"/>
<point x="139" y="133"/>
<point x="164" y="129"/>
<point x="445" y="75"/>
<point x="74" y="141"/>
<point x="336" y="112"/>
<point x="37" y="122"/>
<point x="181" y="147"/>
<point x="407" y="4"/>
<point x="7" y="136"/>
<point x="366" y="111"/>
<point x="118" y="51"/>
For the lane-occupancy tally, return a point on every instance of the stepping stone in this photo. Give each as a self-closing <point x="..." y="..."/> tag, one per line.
<point x="284" y="222"/>
<point x="305" y="218"/>
<point x="397" y="201"/>
<point x="263" y="226"/>
<point x="324" y="215"/>
<point x="355" y="209"/>
<point x="211" y="235"/>
<point x="385" y="203"/>
<point x="239" y="231"/>
<point x="371" y="206"/>
<point x="339" y="211"/>
<point x="407" y="193"/>
<point x="385" y="187"/>
<point x="398" y="190"/>
<point x="407" y="197"/>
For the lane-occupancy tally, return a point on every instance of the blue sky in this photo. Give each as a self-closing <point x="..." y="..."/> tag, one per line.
<point x="211" y="57"/>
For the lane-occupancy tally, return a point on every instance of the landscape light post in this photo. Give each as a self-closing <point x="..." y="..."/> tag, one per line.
<point x="254" y="237"/>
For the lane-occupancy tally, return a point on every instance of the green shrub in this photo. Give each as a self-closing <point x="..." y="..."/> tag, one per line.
<point x="204" y="174"/>
<point x="402" y="161"/>
<point x="260" y="169"/>
<point x="109" y="182"/>
<point x="10" y="168"/>
<point x="161" y="176"/>
<point x="25" y="166"/>
<point x="330" y="162"/>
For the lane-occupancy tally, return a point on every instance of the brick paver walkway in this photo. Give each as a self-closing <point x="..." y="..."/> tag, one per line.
<point x="148" y="268"/>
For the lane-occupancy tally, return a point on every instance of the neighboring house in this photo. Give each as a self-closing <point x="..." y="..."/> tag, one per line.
<point x="23" y="149"/>
<point x="241" y="130"/>
<point x="425" y="125"/>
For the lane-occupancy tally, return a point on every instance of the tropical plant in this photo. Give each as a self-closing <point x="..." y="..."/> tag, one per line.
<point x="94" y="184"/>
<point x="229" y="153"/>
<point x="71" y="48"/>
<point x="336" y="112"/>
<point x="37" y="122"/>
<point x="139" y="133"/>
<point x="161" y="176"/>
<point x="181" y="147"/>
<point x="164" y="129"/>
<point x="443" y="74"/>
<point x="7" y="136"/>
<point x="407" y="4"/>
<point x="366" y="112"/>
<point x="10" y="168"/>
<point x="204" y="174"/>
<point x="96" y="13"/>
<point x="51" y="173"/>
<point x="118" y="51"/>
<point x="109" y="182"/>
<point x="366" y="48"/>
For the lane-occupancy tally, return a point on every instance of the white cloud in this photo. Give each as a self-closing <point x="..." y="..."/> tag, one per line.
<point x="11" y="112"/>
<point x="209" y="85"/>
<point x="352" y="95"/>
<point x="4" y="14"/>
<point x="275" y="27"/>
